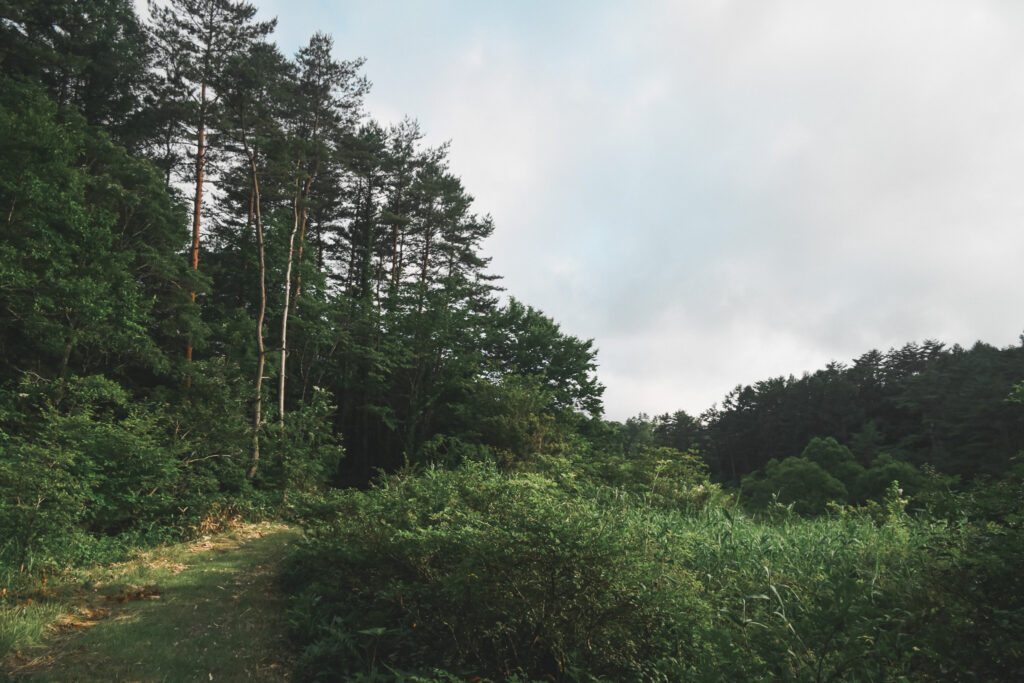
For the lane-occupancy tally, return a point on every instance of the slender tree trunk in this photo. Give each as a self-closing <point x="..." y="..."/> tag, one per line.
<point x="352" y="272"/>
<point x="261" y="354"/>
<point x="305" y="212"/>
<point x="319" y="249"/>
<point x="197" y="211"/>
<point x="394" y="254"/>
<point x="284" y="313"/>
<point x="366" y="265"/>
<point x="424" y="269"/>
<point x="68" y="345"/>
<point x="379" y="279"/>
<point x="169" y="152"/>
<point x="298" y="260"/>
<point x="304" y="216"/>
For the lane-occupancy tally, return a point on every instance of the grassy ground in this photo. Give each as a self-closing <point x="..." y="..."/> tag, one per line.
<point x="205" y="611"/>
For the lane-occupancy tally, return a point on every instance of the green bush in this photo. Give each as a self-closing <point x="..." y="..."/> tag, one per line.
<point x="483" y="574"/>
<point x="794" y="481"/>
<point x="87" y="472"/>
<point x="90" y="464"/>
<point x="472" y="573"/>
<point x="827" y="473"/>
<point x="884" y="470"/>
<point x="305" y="454"/>
<point x="659" y="476"/>
<point x="839" y="462"/>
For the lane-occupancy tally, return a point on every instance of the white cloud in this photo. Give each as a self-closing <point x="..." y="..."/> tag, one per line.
<point x="720" y="191"/>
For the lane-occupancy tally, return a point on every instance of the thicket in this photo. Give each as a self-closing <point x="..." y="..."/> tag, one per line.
<point x="458" y="574"/>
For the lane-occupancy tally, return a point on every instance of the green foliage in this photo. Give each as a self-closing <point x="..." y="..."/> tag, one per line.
<point x="884" y="470"/>
<point x="306" y="455"/>
<point x="827" y="473"/>
<point x="976" y="591"/>
<point x="658" y="476"/>
<point x="475" y="572"/>
<point x="922" y="404"/>
<point x="513" y="418"/>
<point x="637" y="459"/>
<point x="583" y="549"/>
<point x="395" y="337"/>
<point x="1017" y="395"/>
<point x="797" y="481"/>
<point x="524" y="341"/>
<point x="86" y="244"/>
<point x="835" y="459"/>
<point x="86" y="472"/>
<point x="91" y="465"/>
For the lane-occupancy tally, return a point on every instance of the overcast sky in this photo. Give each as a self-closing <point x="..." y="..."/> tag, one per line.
<point x="719" y="192"/>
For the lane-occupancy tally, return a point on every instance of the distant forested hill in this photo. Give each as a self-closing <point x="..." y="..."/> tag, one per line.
<point x="924" y="404"/>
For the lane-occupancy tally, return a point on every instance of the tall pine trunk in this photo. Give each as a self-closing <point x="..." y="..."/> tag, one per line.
<point x="302" y="220"/>
<point x="197" y="211"/>
<point x="394" y="255"/>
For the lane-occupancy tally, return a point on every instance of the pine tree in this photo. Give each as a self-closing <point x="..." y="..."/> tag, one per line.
<point x="196" y="39"/>
<point x="324" y="105"/>
<point x="252" y="88"/>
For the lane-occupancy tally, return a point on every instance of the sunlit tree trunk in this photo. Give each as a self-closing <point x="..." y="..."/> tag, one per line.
<point x="296" y="212"/>
<point x="305" y="213"/>
<point x="197" y="210"/>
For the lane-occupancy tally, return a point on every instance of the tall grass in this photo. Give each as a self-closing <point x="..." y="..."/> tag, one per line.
<point x="25" y="625"/>
<point x="478" y="573"/>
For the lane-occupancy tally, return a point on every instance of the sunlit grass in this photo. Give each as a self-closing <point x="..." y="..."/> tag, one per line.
<point x="203" y="611"/>
<point x="25" y="625"/>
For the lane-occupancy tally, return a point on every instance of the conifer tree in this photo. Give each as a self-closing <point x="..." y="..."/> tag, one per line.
<point x="325" y="103"/>
<point x="196" y="39"/>
<point x="252" y="88"/>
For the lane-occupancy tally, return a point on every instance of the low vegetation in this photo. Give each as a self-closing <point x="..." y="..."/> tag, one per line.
<point x="208" y="609"/>
<point x="475" y="573"/>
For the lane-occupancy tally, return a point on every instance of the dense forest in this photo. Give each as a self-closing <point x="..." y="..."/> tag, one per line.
<point x="225" y="289"/>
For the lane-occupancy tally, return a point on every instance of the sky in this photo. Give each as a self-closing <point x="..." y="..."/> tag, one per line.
<point x="718" y="192"/>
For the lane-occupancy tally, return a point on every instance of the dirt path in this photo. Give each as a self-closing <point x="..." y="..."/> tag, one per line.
<point x="209" y="611"/>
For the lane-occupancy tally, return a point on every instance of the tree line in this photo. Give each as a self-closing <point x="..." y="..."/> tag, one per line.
<point x="847" y="431"/>
<point x="219" y="275"/>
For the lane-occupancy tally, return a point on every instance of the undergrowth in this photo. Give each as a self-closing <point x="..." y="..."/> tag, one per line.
<point x="477" y="574"/>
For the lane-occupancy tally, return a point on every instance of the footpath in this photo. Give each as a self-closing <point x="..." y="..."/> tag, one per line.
<point x="204" y="611"/>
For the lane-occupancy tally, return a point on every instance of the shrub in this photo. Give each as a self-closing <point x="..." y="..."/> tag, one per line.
<point x="797" y="481"/>
<point x="483" y="574"/>
<point x="884" y="470"/>
<point x="471" y="574"/>
<point x="838" y="461"/>
<point x="91" y="464"/>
